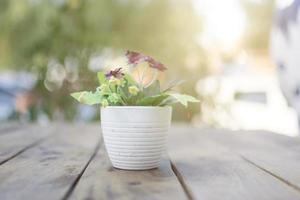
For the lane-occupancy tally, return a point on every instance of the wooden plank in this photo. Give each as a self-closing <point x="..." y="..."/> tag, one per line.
<point x="211" y="171"/>
<point x="51" y="169"/>
<point x="6" y="127"/>
<point x="276" y="154"/>
<point x="18" y="140"/>
<point x="102" y="181"/>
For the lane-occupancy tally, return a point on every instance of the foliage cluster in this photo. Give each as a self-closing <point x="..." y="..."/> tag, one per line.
<point x="120" y="89"/>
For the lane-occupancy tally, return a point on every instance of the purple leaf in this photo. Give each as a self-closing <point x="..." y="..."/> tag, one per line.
<point x="117" y="73"/>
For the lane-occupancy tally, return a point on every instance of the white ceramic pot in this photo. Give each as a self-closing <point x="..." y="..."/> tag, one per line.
<point x="135" y="136"/>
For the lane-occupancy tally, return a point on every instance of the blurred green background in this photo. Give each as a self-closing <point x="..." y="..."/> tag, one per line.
<point x="62" y="43"/>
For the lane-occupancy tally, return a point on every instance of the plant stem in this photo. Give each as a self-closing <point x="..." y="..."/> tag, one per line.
<point x="154" y="76"/>
<point x="143" y="74"/>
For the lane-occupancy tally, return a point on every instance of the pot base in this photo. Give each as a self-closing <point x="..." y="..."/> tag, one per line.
<point x="134" y="169"/>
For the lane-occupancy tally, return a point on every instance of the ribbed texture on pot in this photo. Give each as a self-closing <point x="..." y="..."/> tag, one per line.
<point x="135" y="138"/>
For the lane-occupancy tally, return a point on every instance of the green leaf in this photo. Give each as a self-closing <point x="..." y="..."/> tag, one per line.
<point x="152" y="100"/>
<point x="123" y="93"/>
<point x="153" y="89"/>
<point x="183" y="98"/>
<point x="129" y="79"/>
<point x="101" y="78"/>
<point x="168" y="101"/>
<point x="87" y="97"/>
<point x="173" y="84"/>
<point x="114" y="98"/>
<point x="133" y="99"/>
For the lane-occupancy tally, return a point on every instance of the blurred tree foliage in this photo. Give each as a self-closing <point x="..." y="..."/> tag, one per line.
<point x="35" y="32"/>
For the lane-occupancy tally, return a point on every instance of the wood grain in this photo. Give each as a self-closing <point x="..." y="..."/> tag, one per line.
<point x="102" y="181"/>
<point x="17" y="141"/>
<point x="52" y="168"/>
<point x="6" y="127"/>
<point x="65" y="161"/>
<point x="276" y="154"/>
<point x="212" y="171"/>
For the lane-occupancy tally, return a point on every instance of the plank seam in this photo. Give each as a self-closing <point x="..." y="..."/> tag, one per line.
<point x="76" y="181"/>
<point x="271" y="173"/>
<point x="181" y="181"/>
<point x="23" y="150"/>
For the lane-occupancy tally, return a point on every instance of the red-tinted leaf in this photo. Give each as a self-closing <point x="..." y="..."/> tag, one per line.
<point x="135" y="58"/>
<point x="155" y="64"/>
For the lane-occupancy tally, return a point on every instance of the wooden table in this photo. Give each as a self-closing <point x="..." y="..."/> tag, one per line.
<point x="65" y="161"/>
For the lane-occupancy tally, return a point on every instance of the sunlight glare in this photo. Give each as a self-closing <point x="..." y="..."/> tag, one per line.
<point x="283" y="3"/>
<point x="224" y="21"/>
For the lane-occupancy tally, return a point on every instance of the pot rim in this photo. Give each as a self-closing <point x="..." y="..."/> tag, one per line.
<point x="135" y="107"/>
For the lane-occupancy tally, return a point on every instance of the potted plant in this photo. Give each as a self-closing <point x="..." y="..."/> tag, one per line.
<point x="135" y="115"/>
